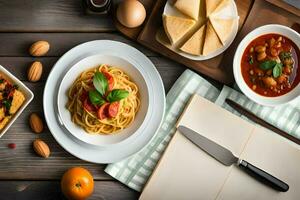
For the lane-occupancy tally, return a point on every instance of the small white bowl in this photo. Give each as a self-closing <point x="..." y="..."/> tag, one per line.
<point x="132" y="69"/>
<point x="27" y="93"/>
<point x="267" y="29"/>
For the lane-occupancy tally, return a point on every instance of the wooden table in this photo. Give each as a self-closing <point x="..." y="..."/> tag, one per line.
<point x="24" y="175"/>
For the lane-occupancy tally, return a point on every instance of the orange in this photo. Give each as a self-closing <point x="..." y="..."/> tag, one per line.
<point x="77" y="183"/>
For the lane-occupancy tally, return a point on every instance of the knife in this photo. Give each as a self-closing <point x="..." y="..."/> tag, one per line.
<point x="227" y="158"/>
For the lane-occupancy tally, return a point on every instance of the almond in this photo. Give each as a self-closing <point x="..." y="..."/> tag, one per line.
<point x="41" y="148"/>
<point x="39" y="48"/>
<point x="36" y="123"/>
<point x="35" y="71"/>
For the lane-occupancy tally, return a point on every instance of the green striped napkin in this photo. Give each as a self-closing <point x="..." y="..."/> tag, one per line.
<point x="135" y="170"/>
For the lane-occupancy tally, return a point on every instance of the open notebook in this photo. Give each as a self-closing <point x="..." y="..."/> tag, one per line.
<point x="186" y="172"/>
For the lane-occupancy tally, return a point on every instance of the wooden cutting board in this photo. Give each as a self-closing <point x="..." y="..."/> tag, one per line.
<point x="253" y="13"/>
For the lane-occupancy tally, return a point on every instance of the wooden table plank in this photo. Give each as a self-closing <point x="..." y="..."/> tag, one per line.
<point x="17" y="44"/>
<point x="50" y="190"/>
<point x="50" y="16"/>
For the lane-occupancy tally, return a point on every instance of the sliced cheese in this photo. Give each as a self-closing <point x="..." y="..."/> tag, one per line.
<point x="221" y="6"/>
<point x="211" y="5"/>
<point x="212" y="41"/>
<point x="214" y="6"/>
<point x="195" y="44"/>
<point x="223" y="27"/>
<point x="188" y="7"/>
<point x="176" y="27"/>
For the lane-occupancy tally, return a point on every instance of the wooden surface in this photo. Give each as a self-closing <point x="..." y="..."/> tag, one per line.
<point x="49" y="16"/>
<point x="23" y="175"/>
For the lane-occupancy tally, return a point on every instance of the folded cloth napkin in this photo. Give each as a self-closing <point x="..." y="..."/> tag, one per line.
<point x="135" y="170"/>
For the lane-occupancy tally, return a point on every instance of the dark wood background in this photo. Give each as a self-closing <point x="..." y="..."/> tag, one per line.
<point x="64" y="24"/>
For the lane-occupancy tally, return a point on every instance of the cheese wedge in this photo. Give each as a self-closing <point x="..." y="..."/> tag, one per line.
<point x="188" y="7"/>
<point x="212" y="41"/>
<point x="195" y="44"/>
<point x="176" y="27"/>
<point x="223" y="27"/>
<point x="211" y="5"/>
<point x="221" y="6"/>
<point x="214" y="6"/>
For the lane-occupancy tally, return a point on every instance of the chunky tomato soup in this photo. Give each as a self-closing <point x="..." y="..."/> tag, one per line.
<point x="270" y="65"/>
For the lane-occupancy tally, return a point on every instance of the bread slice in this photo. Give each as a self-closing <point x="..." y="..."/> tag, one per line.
<point x="188" y="7"/>
<point x="176" y="27"/>
<point x="212" y="41"/>
<point x="195" y="44"/>
<point x="223" y="27"/>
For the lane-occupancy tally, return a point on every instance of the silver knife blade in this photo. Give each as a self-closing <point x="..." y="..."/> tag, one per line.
<point x="215" y="150"/>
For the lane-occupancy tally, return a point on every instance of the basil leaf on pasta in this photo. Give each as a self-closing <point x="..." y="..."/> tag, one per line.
<point x="117" y="95"/>
<point x="96" y="98"/>
<point x="100" y="83"/>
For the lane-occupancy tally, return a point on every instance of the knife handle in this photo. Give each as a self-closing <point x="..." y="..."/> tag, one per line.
<point x="263" y="176"/>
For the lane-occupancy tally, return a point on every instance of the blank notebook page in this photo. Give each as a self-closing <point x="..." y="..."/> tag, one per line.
<point x="186" y="172"/>
<point x="277" y="157"/>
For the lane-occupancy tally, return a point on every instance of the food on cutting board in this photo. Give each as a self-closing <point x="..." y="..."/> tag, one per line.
<point x="131" y="13"/>
<point x="270" y="65"/>
<point x="214" y="6"/>
<point x="191" y="34"/>
<point x="195" y="43"/>
<point x="177" y="27"/>
<point x="77" y="183"/>
<point x="188" y="7"/>
<point x="222" y="27"/>
<point x="11" y="99"/>
<point x="212" y="41"/>
<point x="39" y="48"/>
<point x="35" y="71"/>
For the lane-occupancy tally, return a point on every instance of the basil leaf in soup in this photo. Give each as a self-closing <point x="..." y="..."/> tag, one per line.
<point x="96" y="98"/>
<point x="277" y="70"/>
<point x="117" y="95"/>
<point x="268" y="64"/>
<point x="250" y="60"/>
<point x="100" y="83"/>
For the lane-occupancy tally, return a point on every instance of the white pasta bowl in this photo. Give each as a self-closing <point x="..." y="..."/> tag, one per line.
<point x="137" y="76"/>
<point x="27" y="93"/>
<point x="263" y="100"/>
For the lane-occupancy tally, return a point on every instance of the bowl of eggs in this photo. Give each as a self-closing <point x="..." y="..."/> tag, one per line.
<point x="131" y="13"/>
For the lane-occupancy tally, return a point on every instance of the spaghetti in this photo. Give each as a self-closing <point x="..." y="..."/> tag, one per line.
<point x="105" y="117"/>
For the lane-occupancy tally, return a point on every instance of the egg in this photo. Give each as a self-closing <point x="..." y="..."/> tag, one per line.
<point x="131" y="13"/>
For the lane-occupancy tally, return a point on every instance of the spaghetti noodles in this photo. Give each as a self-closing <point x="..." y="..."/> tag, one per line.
<point x="106" y="117"/>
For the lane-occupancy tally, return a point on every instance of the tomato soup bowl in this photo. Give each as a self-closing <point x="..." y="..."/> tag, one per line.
<point x="237" y="65"/>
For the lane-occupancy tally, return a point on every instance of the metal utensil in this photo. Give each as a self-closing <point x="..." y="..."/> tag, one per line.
<point x="227" y="158"/>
